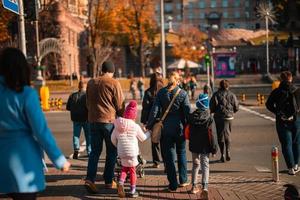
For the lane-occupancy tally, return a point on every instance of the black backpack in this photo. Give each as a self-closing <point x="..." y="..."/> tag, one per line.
<point x="287" y="105"/>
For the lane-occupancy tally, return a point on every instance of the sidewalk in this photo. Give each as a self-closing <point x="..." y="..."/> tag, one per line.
<point x="223" y="185"/>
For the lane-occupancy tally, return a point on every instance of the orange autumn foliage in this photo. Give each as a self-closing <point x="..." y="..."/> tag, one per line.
<point x="190" y="45"/>
<point x="5" y="18"/>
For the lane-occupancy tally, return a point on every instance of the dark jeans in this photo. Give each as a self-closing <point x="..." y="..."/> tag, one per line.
<point x="155" y="153"/>
<point x="289" y="137"/>
<point x="223" y="132"/>
<point x="102" y="132"/>
<point x="172" y="146"/>
<point x="22" y="196"/>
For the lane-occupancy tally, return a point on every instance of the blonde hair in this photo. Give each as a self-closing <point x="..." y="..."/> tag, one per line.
<point x="174" y="78"/>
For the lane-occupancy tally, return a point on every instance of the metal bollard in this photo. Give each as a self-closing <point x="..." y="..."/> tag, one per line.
<point x="262" y="100"/>
<point x="243" y="97"/>
<point x="258" y="99"/>
<point x="275" y="165"/>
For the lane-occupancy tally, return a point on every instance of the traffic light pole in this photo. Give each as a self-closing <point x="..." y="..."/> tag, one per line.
<point x="22" y="38"/>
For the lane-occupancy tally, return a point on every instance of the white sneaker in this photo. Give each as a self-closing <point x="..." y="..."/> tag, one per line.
<point x="291" y="172"/>
<point x="204" y="194"/>
<point x="296" y="169"/>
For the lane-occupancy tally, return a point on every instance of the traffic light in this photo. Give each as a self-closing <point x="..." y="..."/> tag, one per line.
<point x="31" y="10"/>
<point x="207" y="60"/>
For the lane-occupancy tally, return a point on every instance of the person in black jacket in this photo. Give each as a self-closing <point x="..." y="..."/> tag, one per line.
<point x="156" y="83"/>
<point x="224" y="104"/>
<point x="79" y="115"/>
<point x="203" y="141"/>
<point x="283" y="102"/>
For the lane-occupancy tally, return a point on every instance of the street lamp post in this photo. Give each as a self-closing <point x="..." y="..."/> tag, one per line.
<point x="267" y="43"/>
<point x="266" y="12"/>
<point x="163" y="40"/>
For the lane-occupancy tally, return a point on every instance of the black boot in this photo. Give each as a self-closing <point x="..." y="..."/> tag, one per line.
<point x="75" y="154"/>
<point x="221" y="145"/>
<point x="228" y="158"/>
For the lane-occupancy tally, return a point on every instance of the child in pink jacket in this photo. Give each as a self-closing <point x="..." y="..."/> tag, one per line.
<point x="125" y="137"/>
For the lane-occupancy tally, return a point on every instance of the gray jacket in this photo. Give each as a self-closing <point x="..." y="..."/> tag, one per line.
<point x="224" y="104"/>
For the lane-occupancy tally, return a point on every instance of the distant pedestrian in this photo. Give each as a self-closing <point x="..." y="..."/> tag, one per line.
<point x="223" y="105"/>
<point x="284" y="102"/>
<point x="133" y="88"/>
<point x="105" y="101"/>
<point x="24" y="133"/>
<point x="172" y="137"/>
<point x="125" y="137"/>
<point x="203" y="141"/>
<point x="193" y="87"/>
<point x="141" y="87"/>
<point x="79" y="115"/>
<point x="156" y="83"/>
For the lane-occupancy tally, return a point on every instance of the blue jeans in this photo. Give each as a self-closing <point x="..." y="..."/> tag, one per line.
<point x="171" y="146"/>
<point x="77" y="126"/>
<point x="102" y="132"/>
<point x="289" y="137"/>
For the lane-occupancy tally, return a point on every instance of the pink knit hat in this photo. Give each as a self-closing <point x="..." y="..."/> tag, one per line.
<point x="131" y="110"/>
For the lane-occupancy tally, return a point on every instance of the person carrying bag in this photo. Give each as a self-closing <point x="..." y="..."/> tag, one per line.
<point x="158" y="126"/>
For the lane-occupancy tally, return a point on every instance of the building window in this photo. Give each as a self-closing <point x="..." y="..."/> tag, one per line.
<point x="202" y="4"/>
<point x="237" y="14"/>
<point x="237" y="3"/>
<point x="157" y="7"/>
<point x="247" y="14"/>
<point x="168" y="8"/>
<point x="191" y="5"/>
<point x="225" y="3"/>
<point x="213" y="3"/>
<point x="178" y="6"/>
<point x="225" y="14"/>
<point x="247" y="4"/>
<point x="179" y="17"/>
<point x="190" y="16"/>
<point x="202" y="15"/>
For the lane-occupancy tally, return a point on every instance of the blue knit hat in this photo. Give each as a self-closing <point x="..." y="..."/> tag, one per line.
<point x="202" y="102"/>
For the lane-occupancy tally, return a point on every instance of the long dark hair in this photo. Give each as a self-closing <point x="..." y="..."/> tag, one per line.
<point x="14" y="68"/>
<point x="156" y="83"/>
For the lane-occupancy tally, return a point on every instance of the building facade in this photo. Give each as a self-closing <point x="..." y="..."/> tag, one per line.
<point x="216" y="14"/>
<point x="65" y="21"/>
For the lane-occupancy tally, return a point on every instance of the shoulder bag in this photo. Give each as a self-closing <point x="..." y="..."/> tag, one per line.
<point x="156" y="130"/>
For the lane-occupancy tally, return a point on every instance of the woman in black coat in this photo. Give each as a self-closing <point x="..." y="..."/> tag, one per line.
<point x="156" y="83"/>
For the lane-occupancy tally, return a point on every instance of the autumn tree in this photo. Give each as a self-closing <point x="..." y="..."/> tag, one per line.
<point x="103" y="21"/>
<point x="5" y="19"/>
<point x="189" y="45"/>
<point x="137" y="21"/>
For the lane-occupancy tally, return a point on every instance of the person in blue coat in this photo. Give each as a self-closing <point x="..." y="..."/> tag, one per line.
<point x="24" y="133"/>
<point x="172" y="137"/>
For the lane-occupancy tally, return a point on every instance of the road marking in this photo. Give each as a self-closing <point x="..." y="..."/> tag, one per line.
<point x="257" y="114"/>
<point x="262" y="169"/>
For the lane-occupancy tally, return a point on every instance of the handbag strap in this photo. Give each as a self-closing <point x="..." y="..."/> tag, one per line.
<point x="170" y="105"/>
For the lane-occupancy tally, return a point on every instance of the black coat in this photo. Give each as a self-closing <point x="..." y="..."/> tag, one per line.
<point x="148" y="101"/>
<point x="77" y="106"/>
<point x="202" y="132"/>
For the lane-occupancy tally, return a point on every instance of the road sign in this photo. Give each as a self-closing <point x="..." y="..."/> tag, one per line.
<point x="11" y="5"/>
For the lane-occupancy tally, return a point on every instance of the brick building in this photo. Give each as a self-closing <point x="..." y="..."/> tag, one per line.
<point x="211" y="13"/>
<point x="66" y="21"/>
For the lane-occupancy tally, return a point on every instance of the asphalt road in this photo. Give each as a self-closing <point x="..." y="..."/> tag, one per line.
<point x="253" y="136"/>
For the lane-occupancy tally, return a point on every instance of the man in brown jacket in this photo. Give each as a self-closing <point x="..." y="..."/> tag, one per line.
<point x="105" y="102"/>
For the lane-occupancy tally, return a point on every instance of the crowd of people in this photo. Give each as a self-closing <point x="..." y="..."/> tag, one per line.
<point x="101" y="112"/>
